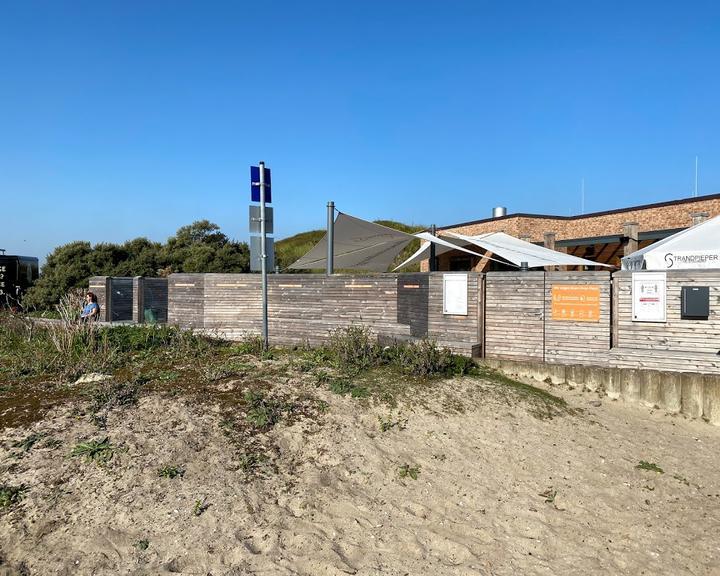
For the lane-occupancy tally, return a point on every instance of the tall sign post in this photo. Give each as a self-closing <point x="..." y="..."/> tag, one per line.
<point x="262" y="251"/>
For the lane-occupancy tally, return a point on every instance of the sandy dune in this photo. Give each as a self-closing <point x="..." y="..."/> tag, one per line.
<point x="498" y="491"/>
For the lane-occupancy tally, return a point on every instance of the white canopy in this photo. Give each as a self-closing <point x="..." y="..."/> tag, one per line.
<point x="362" y="245"/>
<point x="695" y="247"/>
<point x="511" y="249"/>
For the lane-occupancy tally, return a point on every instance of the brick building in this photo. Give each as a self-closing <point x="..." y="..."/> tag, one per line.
<point x="601" y="236"/>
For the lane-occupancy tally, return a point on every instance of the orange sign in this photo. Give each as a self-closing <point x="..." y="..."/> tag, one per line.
<point x="575" y="303"/>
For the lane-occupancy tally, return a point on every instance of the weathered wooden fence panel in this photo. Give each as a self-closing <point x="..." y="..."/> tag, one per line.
<point x="514" y="315"/>
<point x="186" y="296"/>
<point x="578" y="342"/>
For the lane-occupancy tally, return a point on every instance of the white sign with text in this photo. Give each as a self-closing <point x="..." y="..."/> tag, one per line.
<point x="649" y="296"/>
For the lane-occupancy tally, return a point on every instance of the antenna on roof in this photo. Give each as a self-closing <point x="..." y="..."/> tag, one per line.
<point x="582" y="196"/>
<point x="696" y="172"/>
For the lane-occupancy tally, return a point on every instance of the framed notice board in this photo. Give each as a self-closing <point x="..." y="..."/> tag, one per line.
<point x="455" y="287"/>
<point x="576" y="303"/>
<point x="649" y="296"/>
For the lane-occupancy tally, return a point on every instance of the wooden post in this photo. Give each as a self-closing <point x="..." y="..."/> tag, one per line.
<point x="698" y="217"/>
<point x="630" y="237"/>
<point x="138" y="301"/>
<point x="549" y="243"/>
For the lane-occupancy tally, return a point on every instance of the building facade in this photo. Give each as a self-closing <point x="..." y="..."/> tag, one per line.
<point x="603" y="237"/>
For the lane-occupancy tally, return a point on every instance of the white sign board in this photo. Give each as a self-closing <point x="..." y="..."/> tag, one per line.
<point x="455" y="294"/>
<point x="683" y="259"/>
<point x="648" y="296"/>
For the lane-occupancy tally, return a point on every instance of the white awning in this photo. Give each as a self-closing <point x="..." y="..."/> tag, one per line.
<point x="512" y="249"/>
<point x="697" y="247"/>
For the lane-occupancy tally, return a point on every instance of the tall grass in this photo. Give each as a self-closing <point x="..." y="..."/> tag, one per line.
<point x="67" y="348"/>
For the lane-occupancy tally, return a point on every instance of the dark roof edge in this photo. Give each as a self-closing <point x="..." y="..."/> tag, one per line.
<point x="581" y="216"/>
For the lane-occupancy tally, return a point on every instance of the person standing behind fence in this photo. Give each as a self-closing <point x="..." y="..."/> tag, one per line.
<point x="91" y="310"/>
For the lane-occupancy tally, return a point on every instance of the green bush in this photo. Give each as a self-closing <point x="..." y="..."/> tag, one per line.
<point x="354" y="348"/>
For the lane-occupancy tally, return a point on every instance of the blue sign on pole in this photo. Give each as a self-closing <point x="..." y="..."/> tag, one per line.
<point x="255" y="184"/>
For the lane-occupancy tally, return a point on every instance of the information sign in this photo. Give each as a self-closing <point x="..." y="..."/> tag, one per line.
<point x="576" y="303"/>
<point x="455" y="294"/>
<point x="649" y="296"/>
<point x="255" y="184"/>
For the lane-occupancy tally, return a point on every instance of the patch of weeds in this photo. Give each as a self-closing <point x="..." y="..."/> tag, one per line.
<point x="321" y="406"/>
<point x="142" y="544"/>
<point x="262" y="411"/>
<point x="200" y="506"/>
<point x="354" y="348"/>
<point x="171" y="472"/>
<point x="407" y="471"/>
<point x="93" y="451"/>
<point x="52" y="443"/>
<point x="343" y="386"/>
<point x="254" y="346"/>
<point x="651" y="466"/>
<point x="166" y="376"/>
<point x="322" y="377"/>
<point x="388" y="423"/>
<point x="681" y="479"/>
<point x="549" y="495"/>
<point x="251" y="461"/>
<point x="27" y="443"/>
<point x="111" y="395"/>
<point x="11" y="495"/>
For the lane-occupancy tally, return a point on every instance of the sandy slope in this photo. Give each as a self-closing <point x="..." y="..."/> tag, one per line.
<point x="337" y="505"/>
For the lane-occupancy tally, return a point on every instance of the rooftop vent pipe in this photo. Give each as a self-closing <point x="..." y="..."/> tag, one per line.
<point x="499" y="211"/>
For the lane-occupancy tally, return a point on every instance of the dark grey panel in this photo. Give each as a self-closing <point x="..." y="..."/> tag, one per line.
<point x="412" y="302"/>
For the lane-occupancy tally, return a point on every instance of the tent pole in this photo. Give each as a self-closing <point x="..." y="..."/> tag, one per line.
<point x="330" y="237"/>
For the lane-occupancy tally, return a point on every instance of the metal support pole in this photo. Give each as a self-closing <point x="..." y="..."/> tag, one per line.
<point x="330" y="238"/>
<point x="263" y="257"/>
<point x="433" y="258"/>
<point x="524" y="267"/>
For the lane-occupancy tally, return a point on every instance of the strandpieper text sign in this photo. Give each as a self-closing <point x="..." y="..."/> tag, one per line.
<point x="648" y="296"/>
<point x="575" y="303"/>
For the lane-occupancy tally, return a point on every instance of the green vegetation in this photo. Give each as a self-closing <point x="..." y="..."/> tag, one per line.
<point x="28" y="442"/>
<point x="262" y="411"/>
<point x="11" y="495"/>
<point x="388" y="423"/>
<point x="171" y="472"/>
<point x="100" y="452"/>
<point x="199" y="247"/>
<point x="407" y="471"/>
<point x="142" y="544"/>
<point x="200" y="506"/>
<point x="651" y="466"/>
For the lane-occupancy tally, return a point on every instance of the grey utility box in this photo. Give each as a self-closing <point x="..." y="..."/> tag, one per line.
<point x="695" y="302"/>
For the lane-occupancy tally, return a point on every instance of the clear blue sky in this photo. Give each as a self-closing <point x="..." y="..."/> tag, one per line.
<point x="133" y="118"/>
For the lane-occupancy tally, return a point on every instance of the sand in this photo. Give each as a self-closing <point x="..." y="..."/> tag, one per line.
<point x="498" y="490"/>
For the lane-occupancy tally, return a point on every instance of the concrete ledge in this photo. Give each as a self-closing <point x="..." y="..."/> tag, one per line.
<point x="690" y="394"/>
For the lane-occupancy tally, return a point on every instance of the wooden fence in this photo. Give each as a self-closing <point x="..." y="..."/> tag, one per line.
<point x="553" y="317"/>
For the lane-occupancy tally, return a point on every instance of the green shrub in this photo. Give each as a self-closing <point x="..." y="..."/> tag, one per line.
<point x="262" y="412"/>
<point x="354" y="347"/>
<point x="10" y="495"/>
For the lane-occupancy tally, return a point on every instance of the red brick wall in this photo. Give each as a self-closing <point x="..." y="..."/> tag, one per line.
<point x="649" y="219"/>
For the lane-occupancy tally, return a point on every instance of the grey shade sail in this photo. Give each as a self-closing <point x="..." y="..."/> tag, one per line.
<point x="359" y="245"/>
